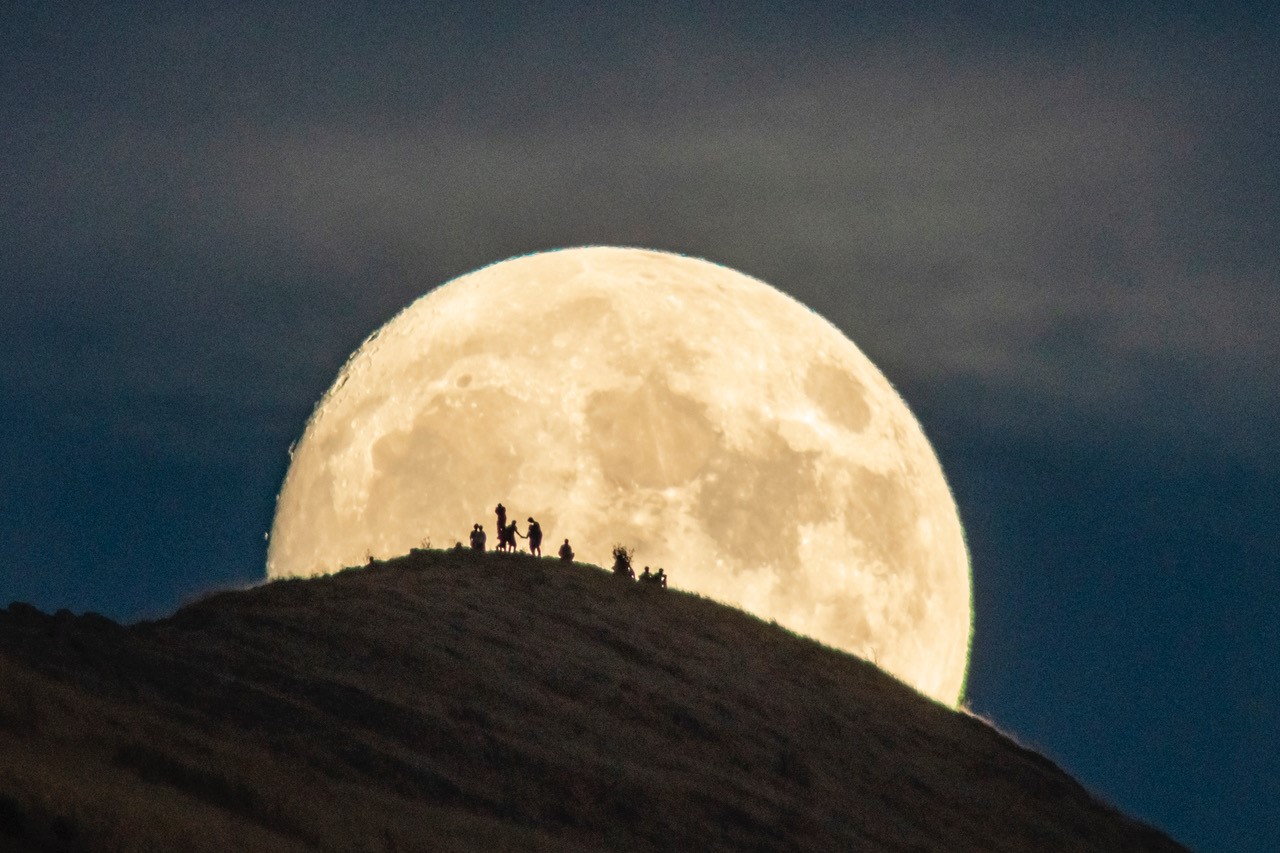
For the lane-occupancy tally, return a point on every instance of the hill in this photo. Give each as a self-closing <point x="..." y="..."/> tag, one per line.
<point x="452" y="701"/>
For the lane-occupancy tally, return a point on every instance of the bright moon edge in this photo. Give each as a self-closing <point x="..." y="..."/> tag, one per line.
<point x="727" y="432"/>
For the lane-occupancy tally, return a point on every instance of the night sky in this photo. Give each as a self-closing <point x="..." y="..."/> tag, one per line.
<point x="1056" y="234"/>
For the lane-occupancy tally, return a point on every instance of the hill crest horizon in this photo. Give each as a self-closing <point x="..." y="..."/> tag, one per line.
<point x="447" y="700"/>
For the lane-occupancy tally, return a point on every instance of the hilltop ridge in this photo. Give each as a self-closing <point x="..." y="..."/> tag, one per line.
<point x="451" y="701"/>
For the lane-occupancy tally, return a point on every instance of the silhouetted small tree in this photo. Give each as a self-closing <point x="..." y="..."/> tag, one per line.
<point x="622" y="562"/>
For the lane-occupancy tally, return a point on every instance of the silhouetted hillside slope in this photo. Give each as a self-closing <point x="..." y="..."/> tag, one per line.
<point x="447" y="701"/>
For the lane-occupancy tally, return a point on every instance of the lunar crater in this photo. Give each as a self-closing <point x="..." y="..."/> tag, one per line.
<point x="839" y="395"/>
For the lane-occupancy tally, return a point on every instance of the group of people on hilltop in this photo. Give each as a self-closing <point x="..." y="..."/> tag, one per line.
<point x="507" y="534"/>
<point x="622" y="568"/>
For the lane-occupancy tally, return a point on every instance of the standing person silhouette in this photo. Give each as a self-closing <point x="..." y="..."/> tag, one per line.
<point x="534" y="537"/>
<point x="502" y="518"/>
<point x="509" y="534"/>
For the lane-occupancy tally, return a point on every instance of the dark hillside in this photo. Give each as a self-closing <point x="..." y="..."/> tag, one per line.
<point x="446" y="701"/>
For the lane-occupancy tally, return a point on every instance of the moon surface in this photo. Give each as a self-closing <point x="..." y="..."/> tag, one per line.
<point x="717" y="426"/>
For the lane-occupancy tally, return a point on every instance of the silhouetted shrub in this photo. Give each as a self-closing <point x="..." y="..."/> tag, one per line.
<point x="622" y="561"/>
<point x="22" y="610"/>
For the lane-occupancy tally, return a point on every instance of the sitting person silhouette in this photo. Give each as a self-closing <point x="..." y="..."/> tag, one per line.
<point x="477" y="537"/>
<point x="646" y="576"/>
<point x="566" y="553"/>
<point x="534" y="537"/>
<point x="661" y="577"/>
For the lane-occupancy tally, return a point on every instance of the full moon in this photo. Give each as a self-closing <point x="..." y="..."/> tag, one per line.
<point x="715" y="425"/>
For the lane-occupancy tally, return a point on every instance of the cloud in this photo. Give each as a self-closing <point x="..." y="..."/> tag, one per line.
<point x="1096" y="231"/>
<point x="1031" y="227"/>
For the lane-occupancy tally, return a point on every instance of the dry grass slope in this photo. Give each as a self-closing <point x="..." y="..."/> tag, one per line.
<point x="448" y="701"/>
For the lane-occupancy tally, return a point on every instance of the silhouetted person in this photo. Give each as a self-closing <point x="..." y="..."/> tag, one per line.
<point x="502" y="518"/>
<point x="566" y="553"/>
<point x="661" y="577"/>
<point x="534" y="537"/>
<point x="508" y="537"/>
<point x="477" y="537"/>
<point x="646" y="576"/>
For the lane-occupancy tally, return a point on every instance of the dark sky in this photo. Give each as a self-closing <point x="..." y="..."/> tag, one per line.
<point x="1055" y="232"/>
